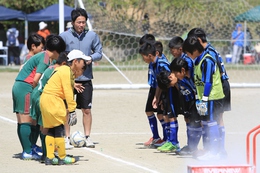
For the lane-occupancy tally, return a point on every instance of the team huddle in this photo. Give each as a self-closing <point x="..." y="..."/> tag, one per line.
<point x="195" y="85"/>
<point x="55" y="70"/>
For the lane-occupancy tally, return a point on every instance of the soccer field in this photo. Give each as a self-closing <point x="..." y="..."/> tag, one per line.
<point x="119" y="122"/>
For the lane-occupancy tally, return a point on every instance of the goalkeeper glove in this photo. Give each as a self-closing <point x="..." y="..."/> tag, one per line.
<point x="72" y="118"/>
<point x="202" y="107"/>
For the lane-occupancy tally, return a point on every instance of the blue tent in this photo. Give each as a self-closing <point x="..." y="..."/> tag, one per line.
<point x="9" y="14"/>
<point x="50" y="13"/>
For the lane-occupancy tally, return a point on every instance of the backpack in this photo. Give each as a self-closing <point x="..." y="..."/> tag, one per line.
<point x="11" y="38"/>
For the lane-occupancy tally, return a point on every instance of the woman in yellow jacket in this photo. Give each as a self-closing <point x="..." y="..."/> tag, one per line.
<point x="56" y="100"/>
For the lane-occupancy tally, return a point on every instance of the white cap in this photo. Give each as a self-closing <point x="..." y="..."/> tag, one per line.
<point x="69" y="25"/>
<point x="74" y="54"/>
<point x="42" y="25"/>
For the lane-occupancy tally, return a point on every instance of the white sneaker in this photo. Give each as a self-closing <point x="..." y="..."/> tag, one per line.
<point x="209" y="156"/>
<point x="89" y="143"/>
<point x="67" y="144"/>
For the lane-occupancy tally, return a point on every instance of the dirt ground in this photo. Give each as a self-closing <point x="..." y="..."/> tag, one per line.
<point x="119" y="122"/>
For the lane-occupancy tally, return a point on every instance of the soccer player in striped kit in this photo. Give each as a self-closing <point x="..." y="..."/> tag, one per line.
<point x="200" y="33"/>
<point x="209" y="101"/>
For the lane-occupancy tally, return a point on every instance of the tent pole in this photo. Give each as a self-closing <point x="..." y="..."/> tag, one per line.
<point x="61" y="16"/>
<point x="245" y="36"/>
<point x="25" y="29"/>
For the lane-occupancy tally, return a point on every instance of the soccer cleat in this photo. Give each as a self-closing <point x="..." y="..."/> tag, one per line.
<point x="26" y="156"/>
<point x="89" y="143"/>
<point x="168" y="147"/>
<point x="209" y="156"/>
<point x="159" y="143"/>
<point x="152" y="141"/>
<point x="30" y="156"/>
<point x="68" y="146"/>
<point x="185" y="151"/>
<point x="53" y="161"/>
<point x="67" y="160"/>
<point x="148" y="142"/>
<point x="37" y="150"/>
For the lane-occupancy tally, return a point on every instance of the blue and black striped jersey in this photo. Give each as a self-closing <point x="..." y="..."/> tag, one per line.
<point x="187" y="88"/>
<point x="190" y="63"/>
<point x="155" y="68"/>
<point x="212" y="51"/>
<point x="208" y="68"/>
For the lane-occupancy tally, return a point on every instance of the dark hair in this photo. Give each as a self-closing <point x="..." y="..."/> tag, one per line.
<point x="35" y="39"/>
<point x="55" y="43"/>
<point x="159" y="47"/>
<point x="146" y="38"/>
<point x="147" y="48"/>
<point x="75" y="13"/>
<point x="199" y="32"/>
<point x="177" y="64"/>
<point x="2" y="26"/>
<point x="163" y="80"/>
<point x="175" y="42"/>
<point x="192" y="44"/>
<point x="62" y="58"/>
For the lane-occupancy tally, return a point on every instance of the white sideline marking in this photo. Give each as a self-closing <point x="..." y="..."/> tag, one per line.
<point x="8" y="120"/>
<point x="120" y="160"/>
<point x="98" y="153"/>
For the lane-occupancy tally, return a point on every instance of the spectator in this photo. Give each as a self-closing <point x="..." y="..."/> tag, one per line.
<point x="69" y="25"/>
<point x="2" y="34"/>
<point x="13" y="45"/>
<point x="43" y="31"/>
<point x="89" y="43"/>
<point x="237" y="39"/>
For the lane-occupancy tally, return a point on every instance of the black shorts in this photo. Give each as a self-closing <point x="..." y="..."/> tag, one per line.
<point x="191" y="113"/>
<point x="56" y="131"/>
<point x="149" y="106"/>
<point x="176" y="103"/>
<point x="215" y="108"/>
<point x="227" y="98"/>
<point x="84" y="99"/>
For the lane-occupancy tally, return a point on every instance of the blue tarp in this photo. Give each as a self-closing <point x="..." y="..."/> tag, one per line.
<point x="50" y="13"/>
<point x="252" y="15"/>
<point x="9" y="14"/>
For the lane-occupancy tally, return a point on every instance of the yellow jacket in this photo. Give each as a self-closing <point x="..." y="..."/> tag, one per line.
<point x="58" y="89"/>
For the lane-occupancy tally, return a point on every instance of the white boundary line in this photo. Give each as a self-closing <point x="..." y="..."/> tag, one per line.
<point x="99" y="153"/>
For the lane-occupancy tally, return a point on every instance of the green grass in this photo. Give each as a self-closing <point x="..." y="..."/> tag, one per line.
<point x="9" y="69"/>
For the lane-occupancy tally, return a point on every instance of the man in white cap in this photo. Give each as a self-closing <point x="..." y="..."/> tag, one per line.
<point x="43" y="31"/>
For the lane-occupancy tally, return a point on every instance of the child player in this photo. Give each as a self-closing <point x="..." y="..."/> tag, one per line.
<point x="180" y="69"/>
<point x="25" y="81"/>
<point x="56" y="99"/>
<point x="35" y="111"/>
<point x="155" y="140"/>
<point x="35" y="44"/>
<point x="148" y="52"/>
<point x="200" y="33"/>
<point x="187" y="100"/>
<point x="210" y="94"/>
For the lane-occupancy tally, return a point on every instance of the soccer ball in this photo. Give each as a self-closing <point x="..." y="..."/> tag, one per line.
<point x="77" y="139"/>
